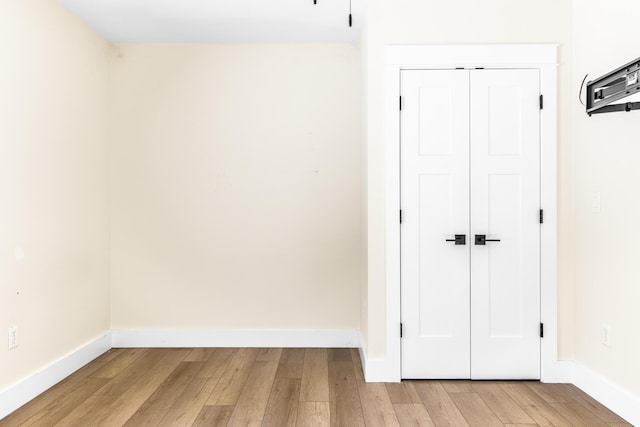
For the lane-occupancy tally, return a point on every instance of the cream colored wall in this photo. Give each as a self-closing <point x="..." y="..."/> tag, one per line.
<point x="461" y="22"/>
<point x="53" y="185"/>
<point x="233" y="196"/>
<point x="363" y="47"/>
<point x="235" y="186"/>
<point x="606" y="153"/>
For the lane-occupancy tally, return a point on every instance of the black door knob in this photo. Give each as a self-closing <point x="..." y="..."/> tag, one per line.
<point x="460" y="239"/>
<point x="481" y="239"/>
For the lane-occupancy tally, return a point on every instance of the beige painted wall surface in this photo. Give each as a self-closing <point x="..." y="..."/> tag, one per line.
<point x="53" y="185"/>
<point x="235" y="186"/>
<point x="364" y="267"/>
<point x="607" y="152"/>
<point x="461" y="22"/>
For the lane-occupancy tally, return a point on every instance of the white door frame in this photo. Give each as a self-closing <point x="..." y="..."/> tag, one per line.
<point x="542" y="57"/>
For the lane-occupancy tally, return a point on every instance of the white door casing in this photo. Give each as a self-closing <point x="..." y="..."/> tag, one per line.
<point x="386" y="366"/>
<point x="470" y="164"/>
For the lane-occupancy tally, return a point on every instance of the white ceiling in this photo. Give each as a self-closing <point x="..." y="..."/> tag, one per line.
<point x="220" y="21"/>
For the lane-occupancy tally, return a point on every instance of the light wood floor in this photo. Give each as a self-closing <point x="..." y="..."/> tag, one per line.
<point x="289" y="387"/>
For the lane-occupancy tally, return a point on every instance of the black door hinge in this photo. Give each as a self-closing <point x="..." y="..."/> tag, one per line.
<point x="541" y="102"/>
<point x="541" y="330"/>
<point x="541" y="216"/>
<point x="400" y="102"/>
<point x="400" y="216"/>
<point x="400" y="330"/>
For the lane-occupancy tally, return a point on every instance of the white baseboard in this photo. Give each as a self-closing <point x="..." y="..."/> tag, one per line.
<point x="14" y="396"/>
<point x="560" y="371"/>
<point x="375" y="370"/>
<point x="337" y="338"/>
<point x="614" y="397"/>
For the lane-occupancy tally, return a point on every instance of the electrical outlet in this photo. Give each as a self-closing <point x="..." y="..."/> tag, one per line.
<point x="595" y="202"/>
<point x="606" y="335"/>
<point x="19" y="254"/>
<point x="12" y="339"/>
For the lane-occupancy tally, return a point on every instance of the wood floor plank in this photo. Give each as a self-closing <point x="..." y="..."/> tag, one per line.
<point x="217" y="364"/>
<point x="124" y="357"/>
<point x="102" y="361"/>
<point x="501" y="404"/>
<point x="594" y="406"/>
<point x="176" y="388"/>
<point x="213" y="416"/>
<point x="413" y="415"/>
<point x="315" y="378"/>
<point x="65" y="386"/>
<point x="457" y="386"/>
<point x="269" y="355"/>
<point x="376" y="405"/>
<point x="199" y="355"/>
<point x="233" y="379"/>
<point x="291" y="363"/>
<point x="252" y="402"/>
<point x="475" y="411"/>
<point x="578" y="415"/>
<point x="552" y="393"/>
<point x="186" y="409"/>
<point x="224" y="352"/>
<point x="32" y="408"/>
<point x="130" y="368"/>
<point x="128" y="403"/>
<point x="442" y="410"/>
<point x="153" y="410"/>
<point x="87" y="412"/>
<point x="403" y="393"/>
<point x="346" y="409"/>
<point x="357" y="364"/>
<point x="131" y="373"/>
<point x="63" y="405"/>
<point x="340" y="354"/>
<point x="535" y="406"/>
<point x="313" y="414"/>
<point x="282" y="409"/>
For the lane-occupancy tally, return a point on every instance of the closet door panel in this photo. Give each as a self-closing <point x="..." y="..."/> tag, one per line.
<point x="505" y="203"/>
<point x="435" y="206"/>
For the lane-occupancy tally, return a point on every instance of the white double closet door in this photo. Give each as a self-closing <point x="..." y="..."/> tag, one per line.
<point x="470" y="162"/>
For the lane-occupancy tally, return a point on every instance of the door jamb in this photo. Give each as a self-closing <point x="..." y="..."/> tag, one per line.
<point x="541" y="57"/>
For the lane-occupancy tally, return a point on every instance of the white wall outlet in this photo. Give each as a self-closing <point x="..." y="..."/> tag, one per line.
<point x="595" y="202"/>
<point x="12" y="337"/>
<point x="606" y="335"/>
<point x="19" y="254"/>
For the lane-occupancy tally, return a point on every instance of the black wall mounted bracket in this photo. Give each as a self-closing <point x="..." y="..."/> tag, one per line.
<point x="614" y="86"/>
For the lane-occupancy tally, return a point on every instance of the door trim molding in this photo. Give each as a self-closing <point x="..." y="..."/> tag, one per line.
<point x="541" y="57"/>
